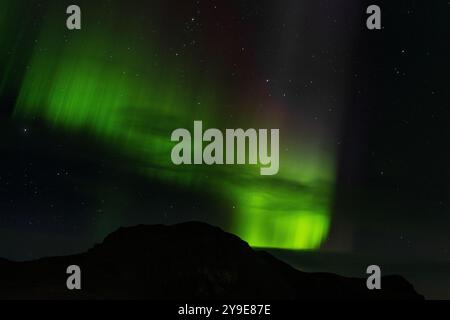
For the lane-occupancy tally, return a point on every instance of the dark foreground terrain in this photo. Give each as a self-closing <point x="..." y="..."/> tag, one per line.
<point x="185" y="261"/>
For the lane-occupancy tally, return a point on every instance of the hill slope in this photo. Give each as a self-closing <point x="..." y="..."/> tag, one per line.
<point x="185" y="261"/>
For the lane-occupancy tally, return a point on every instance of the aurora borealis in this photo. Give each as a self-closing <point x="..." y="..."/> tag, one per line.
<point x="100" y="83"/>
<point x="86" y="118"/>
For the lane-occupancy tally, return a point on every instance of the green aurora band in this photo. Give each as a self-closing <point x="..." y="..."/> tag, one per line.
<point x="97" y="84"/>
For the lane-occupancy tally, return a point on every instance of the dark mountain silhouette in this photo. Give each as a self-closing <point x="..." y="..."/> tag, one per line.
<point x="185" y="261"/>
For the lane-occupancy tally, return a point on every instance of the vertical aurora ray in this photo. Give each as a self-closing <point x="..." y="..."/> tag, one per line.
<point x="98" y="84"/>
<point x="93" y="86"/>
<point x="10" y="35"/>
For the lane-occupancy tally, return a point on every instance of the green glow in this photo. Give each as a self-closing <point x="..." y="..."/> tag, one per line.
<point x="84" y="92"/>
<point x="107" y="87"/>
<point x="292" y="213"/>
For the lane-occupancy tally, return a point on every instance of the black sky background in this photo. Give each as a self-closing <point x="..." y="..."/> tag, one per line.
<point x="394" y="161"/>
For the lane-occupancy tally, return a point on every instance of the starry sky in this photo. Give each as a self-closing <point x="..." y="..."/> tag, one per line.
<point x="86" y="118"/>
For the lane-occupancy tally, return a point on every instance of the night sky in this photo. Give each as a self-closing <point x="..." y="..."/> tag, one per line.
<point x="86" y="118"/>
